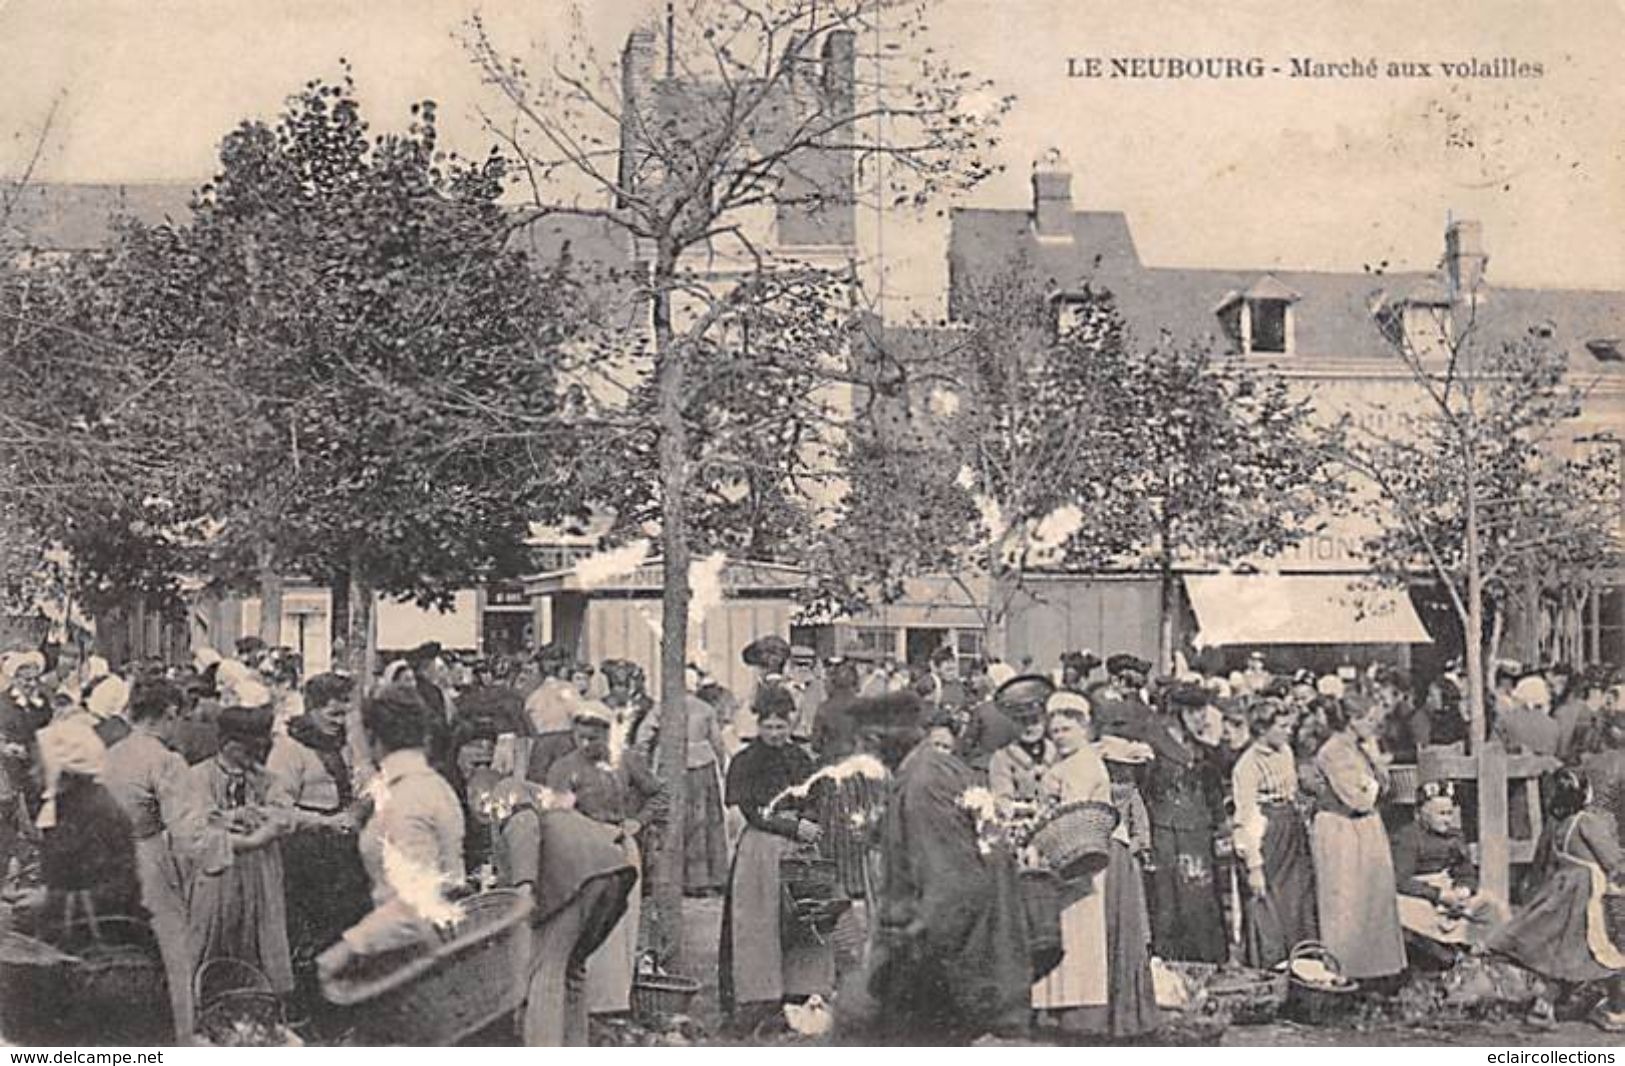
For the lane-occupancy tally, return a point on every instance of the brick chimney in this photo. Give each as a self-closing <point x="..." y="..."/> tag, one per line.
<point x="1464" y="257"/>
<point x="637" y="82"/>
<point x="1052" y="195"/>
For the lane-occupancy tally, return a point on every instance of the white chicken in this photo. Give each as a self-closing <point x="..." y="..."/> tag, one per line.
<point x="812" y="1018"/>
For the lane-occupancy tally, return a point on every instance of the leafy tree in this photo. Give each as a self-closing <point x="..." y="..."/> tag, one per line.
<point x="330" y="290"/>
<point x="973" y="455"/>
<point x="1215" y="462"/>
<point x="1052" y="441"/>
<point x="1479" y="484"/>
<point x="740" y="125"/>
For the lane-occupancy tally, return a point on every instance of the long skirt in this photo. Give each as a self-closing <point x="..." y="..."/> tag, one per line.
<point x="1081" y="978"/>
<point x="163" y="893"/>
<point x="241" y="913"/>
<point x="1571" y="931"/>
<point x="611" y="968"/>
<point x="1187" y="920"/>
<point x="1285" y="916"/>
<point x="1130" y="1008"/>
<point x="756" y="963"/>
<point x="705" y="834"/>
<point x="1354" y="890"/>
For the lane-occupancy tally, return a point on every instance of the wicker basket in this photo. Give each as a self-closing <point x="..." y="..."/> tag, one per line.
<point x="811" y="900"/>
<point x="1317" y="1004"/>
<point x="1041" y="899"/>
<point x="656" y="996"/>
<point x="34" y="989"/>
<point x="807" y="875"/>
<point x="463" y="985"/>
<point x="1244" y="995"/>
<point x="1073" y="839"/>
<point x="230" y="993"/>
<point x="118" y="968"/>
<point x="1404" y="781"/>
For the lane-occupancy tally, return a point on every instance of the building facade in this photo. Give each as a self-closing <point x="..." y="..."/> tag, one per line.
<point x="1324" y="333"/>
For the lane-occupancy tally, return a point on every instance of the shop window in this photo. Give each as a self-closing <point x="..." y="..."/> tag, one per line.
<point x="970" y="644"/>
<point x="879" y="641"/>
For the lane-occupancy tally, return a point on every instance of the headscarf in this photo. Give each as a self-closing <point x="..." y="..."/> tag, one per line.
<point x="68" y="746"/>
<point x="244" y="690"/>
<point x="109" y="698"/>
<point x="1064" y="701"/>
<point x="1533" y="691"/>
<point x="14" y="661"/>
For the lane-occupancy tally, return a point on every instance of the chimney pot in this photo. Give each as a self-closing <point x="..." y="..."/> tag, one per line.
<point x="1464" y="255"/>
<point x="1052" y="195"/>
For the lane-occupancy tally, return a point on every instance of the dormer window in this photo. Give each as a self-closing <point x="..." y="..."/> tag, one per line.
<point x="1268" y="325"/>
<point x="1259" y="321"/>
<point x="1419" y="321"/>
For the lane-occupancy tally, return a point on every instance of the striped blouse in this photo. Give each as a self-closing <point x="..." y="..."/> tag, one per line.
<point x="1261" y="778"/>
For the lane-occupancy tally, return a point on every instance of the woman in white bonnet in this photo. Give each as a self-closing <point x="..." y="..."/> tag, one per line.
<point x="87" y="846"/>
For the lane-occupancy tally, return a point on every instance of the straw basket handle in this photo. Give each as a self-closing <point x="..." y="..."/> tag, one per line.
<point x="261" y="983"/>
<point x="1315" y="950"/>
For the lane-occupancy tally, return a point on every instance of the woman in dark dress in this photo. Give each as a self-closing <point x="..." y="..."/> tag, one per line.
<point x="324" y="882"/>
<point x="761" y="969"/>
<point x="87" y="851"/>
<point x="1184" y="796"/>
<point x="1573" y="930"/>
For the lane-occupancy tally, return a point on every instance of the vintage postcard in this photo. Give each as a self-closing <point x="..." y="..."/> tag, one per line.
<point x="811" y="523"/>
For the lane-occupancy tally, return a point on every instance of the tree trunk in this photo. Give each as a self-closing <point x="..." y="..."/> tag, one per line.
<point x="670" y="762"/>
<point x="361" y="657"/>
<point x="271" y="585"/>
<point x="1495" y="870"/>
<point x="1167" y="590"/>
<point x="1168" y="598"/>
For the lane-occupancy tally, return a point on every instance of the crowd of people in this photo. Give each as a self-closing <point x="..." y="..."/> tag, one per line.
<point x="867" y="824"/>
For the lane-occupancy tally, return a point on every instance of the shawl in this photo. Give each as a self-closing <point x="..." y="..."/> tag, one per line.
<point x="948" y="912"/>
<point x="329" y="748"/>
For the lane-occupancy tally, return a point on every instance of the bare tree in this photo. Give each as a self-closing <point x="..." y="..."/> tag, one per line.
<point x="800" y="110"/>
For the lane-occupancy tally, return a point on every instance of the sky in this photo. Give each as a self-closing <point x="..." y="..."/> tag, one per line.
<point x="1277" y="172"/>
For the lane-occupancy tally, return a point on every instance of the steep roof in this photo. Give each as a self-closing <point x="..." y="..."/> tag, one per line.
<point x="1332" y="315"/>
<point x="70" y="217"/>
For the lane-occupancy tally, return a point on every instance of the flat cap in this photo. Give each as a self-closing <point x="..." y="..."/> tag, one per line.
<point x="1024" y="689"/>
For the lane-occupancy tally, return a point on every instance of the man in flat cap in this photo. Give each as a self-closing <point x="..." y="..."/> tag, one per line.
<point x="998" y="721"/>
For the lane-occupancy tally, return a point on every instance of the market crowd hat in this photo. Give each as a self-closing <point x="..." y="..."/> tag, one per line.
<point x="592" y="712"/>
<point x="1123" y="663"/>
<point x="770" y="652"/>
<point x="1024" y="691"/>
